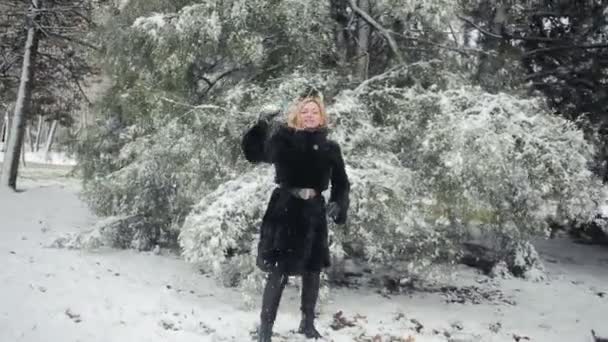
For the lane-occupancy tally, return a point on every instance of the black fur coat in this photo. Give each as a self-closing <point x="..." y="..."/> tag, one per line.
<point x="293" y="236"/>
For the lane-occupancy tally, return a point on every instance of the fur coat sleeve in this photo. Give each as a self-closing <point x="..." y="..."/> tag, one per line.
<point x="256" y="144"/>
<point x="340" y="185"/>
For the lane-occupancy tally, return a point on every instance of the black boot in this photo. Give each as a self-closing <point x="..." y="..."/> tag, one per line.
<point x="310" y="293"/>
<point x="270" y="304"/>
<point x="265" y="332"/>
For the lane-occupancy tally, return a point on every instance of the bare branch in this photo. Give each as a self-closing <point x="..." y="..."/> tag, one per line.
<point x="553" y="72"/>
<point x="453" y="34"/>
<point x="479" y="28"/>
<point x="464" y="51"/>
<point x="6" y="77"/>
<point x="50" y="57"/>
<point x="382" y="76"/>
<point x="57" y="9"/>
<point x="211" y="84"/>
<point x="379" y="28"/>
<point x="507" y="36"/>
<point x="84" y="17"/>
<point x="226" y="73"/>
<point x="75" y="79"/>
<point x="8" y="63"/>
<point x="70" y="39"/>
<point x="566" y="47"/>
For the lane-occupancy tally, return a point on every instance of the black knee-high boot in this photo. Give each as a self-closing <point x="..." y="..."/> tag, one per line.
<point x="310" y="292"/>
<point x="270" y="304"/>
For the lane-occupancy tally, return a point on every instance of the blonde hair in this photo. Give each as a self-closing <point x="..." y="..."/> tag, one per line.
<point x="293" y="117"/>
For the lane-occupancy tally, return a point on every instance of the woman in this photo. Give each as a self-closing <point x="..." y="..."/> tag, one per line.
<point x="293" y="235"/>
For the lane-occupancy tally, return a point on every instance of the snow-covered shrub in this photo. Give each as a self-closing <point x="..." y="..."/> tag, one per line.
<point x="448" y="162"/>
<point x="114" y="232"/>
<point x="525" y="262"/>
<point x="223" y="225"/>
<point x="160" y="174"/>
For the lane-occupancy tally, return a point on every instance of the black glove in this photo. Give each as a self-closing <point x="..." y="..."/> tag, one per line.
<point x="333" y="210"/>
<point x="268" y="116"/>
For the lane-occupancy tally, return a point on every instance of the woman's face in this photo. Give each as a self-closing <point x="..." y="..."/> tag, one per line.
<point x="310" y="115"/>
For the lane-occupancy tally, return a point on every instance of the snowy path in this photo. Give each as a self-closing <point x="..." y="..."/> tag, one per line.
<point x="50" y="294"/>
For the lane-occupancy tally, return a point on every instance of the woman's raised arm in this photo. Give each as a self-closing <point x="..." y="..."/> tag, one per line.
<point x="255" y="143"/>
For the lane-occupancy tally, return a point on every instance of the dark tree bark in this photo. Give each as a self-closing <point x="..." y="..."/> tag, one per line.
<point x="6" y="124"/>
<point x="340" y="16"/>
<point x="486" y="70"/>
<point x="10" y="166"/>
<point x="364" y="31"/>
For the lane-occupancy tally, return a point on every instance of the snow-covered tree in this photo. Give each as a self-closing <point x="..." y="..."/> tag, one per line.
<point x="430" y="168"/>
<point x="433" y="159"/>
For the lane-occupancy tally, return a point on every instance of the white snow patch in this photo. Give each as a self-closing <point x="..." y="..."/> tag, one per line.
<point x="51" y="158"/>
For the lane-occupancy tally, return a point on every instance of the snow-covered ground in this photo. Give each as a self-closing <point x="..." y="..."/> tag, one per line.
<point x="50" y="294"/>
<point x="41" y="157"/>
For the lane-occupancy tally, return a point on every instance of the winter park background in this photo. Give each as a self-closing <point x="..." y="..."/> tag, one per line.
<point x="474" y="134"/>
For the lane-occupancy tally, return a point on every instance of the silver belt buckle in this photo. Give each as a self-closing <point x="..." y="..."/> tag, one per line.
<point x="306" y="193"/>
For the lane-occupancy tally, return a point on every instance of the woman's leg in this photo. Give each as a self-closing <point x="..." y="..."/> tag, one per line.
<point x="275" y="283"/>
<point x="311" y="282"/>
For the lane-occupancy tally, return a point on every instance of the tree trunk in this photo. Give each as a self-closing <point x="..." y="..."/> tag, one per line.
<point x="10" y="166"/>
<point x="38" y="133"/>
<point x="2" y="139"/>
<point x="51" y="136"/>
<point x="488" y="66"/>
<point x="23" y="154"/>
<point x="28" y="137"/>
<point x="6" y="130"/>
<point x="363" y="32"/>
<point x="340" y="16"/>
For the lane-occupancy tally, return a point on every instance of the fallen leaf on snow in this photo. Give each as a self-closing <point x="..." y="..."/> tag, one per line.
<point x="73" y="316"/>
<point x="341" y="322"/>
